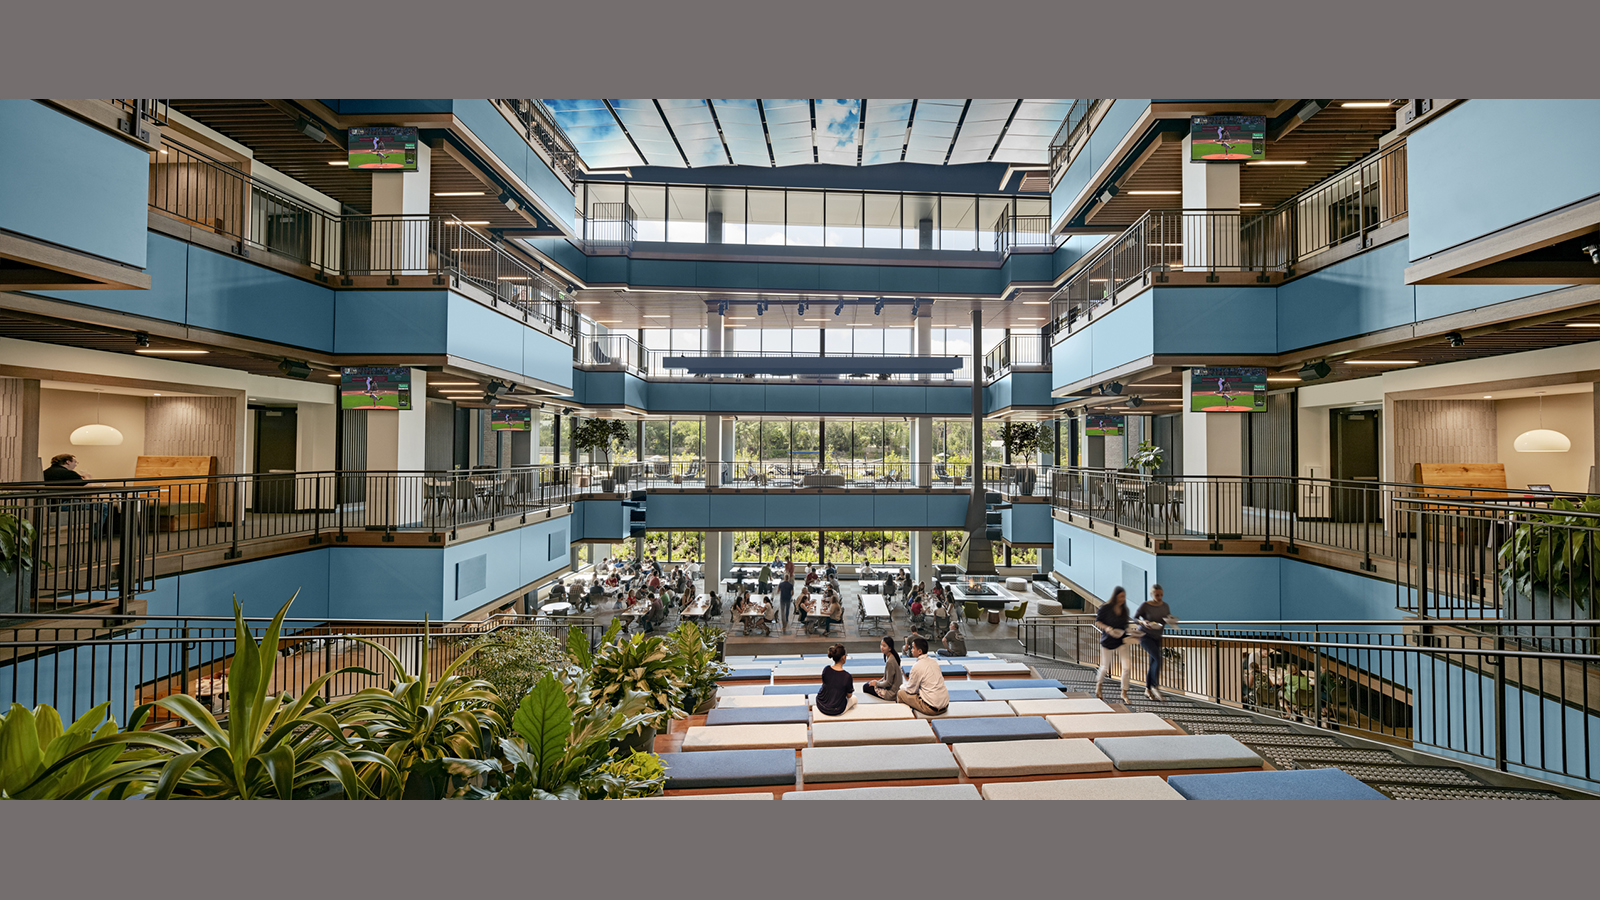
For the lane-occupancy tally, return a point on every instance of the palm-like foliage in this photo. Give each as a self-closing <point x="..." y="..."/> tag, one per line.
<point x="562" y="753"/>
<point x="697" y="663"/>
<point x="1558" y="553"/>
<point x="643" y="664"/>
<point x="273" y="746"/>
<point x="34" y="745"/>
<point x="417" y="720"/>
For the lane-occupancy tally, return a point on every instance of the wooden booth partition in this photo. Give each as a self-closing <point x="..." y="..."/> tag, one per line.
<point x="185" y="497"/>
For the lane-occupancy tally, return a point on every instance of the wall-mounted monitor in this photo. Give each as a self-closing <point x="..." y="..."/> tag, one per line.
<point x="1103" y="425"/>
<point x="1227" y="138"/>
<point x="511" y="419"/>
<point x="385" y="149"/>
<point x="375" y="387"/>
<point x="1227" y="389"/>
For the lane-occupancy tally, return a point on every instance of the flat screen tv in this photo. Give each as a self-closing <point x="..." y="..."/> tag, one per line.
<point x="375" y="387"/>
<point x="1104" y="425"/>
<point x="1227" y="389"/>
<point x="1227" y="138"/>
<point x="511" y="419"/>
<point x="386" y="149"/>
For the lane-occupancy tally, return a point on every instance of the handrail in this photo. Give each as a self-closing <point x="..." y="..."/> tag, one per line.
<point x="616" y="351"/>
<point x="1019" y="351"/>
<point x="540" y="129"/>
<point x="1067" y="135"/>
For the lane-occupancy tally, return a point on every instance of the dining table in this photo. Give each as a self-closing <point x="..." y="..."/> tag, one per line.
<point x="756" y="616"/>
<point x="698" y="608"/>
<point x="876" y="611"/>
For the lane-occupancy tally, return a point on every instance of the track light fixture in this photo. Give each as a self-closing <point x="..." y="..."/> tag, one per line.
<point x="495" y="389"/>
<point x="312" y="130"/>
<point x="1135" y="402"/>
<point x="1110" y="192"/>
<point x="508" y="201"/>
<point x="801" y="309"/>
<point x="1314" y="371"/>
<point x="1111" y="389"/>
<point x="722" y="307"/>
<point x="1455" y="339"/>
<point x="141" y="339"/>
<point x="761" y="308"/>
<point x="294" y="369"/>
<point x="877" y="310"/>
<point x="839" y="310"/>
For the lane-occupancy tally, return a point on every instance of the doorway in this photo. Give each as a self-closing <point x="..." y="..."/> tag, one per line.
<point x="277" y="433"/>
<point x="1355" y="435"/>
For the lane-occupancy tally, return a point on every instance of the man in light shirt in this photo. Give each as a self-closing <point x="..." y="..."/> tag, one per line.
<point x="924" y="689"/>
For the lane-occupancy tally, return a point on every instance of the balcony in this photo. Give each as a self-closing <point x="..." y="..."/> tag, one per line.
<point x="623" y="353"/>
<point x="1017" y="353"/>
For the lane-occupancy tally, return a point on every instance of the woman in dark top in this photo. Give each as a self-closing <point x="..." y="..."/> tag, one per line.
<point x="838" y="692"/>
<point x="1111" y="620"/>
<point x="1154" y="616"/>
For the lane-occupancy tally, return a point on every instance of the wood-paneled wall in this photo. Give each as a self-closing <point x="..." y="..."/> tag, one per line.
<point x="1443" y="431"/>
<point x="194" y="426"/>
<point x="19" y="430"/>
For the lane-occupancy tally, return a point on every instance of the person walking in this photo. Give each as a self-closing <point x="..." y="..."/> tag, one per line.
<point x="785" y="600"/>
<point x="1154" y="616"/>
<point x="1111" y="620"/>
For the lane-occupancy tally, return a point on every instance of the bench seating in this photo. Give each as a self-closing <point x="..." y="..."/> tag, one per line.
<point x="1177" y="752"/>
<point x="867" y="712"/>
<point x="745" y="737"/>
<point x="758" y="715"/>
<point x="1019" y="693"/>
<point x="1135" y="787"/>
<point x="749" y="674"/>
<point x="728" y="768"/>
<point x="910" y="792"/>
<point x="898" y="762"/>
<point x="1013" y="684"/>
<point x="868" y="732"/>
<point x="1115" y="724"/>
<point x="737" y="795"/>
<point x="1294" y="784"/>
<point x="996" y="667"/>
<point x="741" y="690"/>
<point x="759" y="700"/>
<point x="962" y="695"/>
<point x="1063" y="706"/>
<point x="970" y="709"/>
<point x="1013" y="759"/>
<point x="185" y="496"/>
<point x="993" y="728"/>
<point x="791" y="688"/>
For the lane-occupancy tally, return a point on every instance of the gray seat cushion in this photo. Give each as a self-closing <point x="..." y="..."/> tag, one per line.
<point x="856" y="734"/>
<point x="1177" y="751"/>
<point x="1295" y="784"/>
<point x="993" y="728"/>
<point x="728" y="768"/>
<point x="750" y="674"/>
<point x="741" y="795"/>
<point x="758" y="715"/>
<point x="748" y="701"/>
<point x="877" y="763"/>
<point x="791" y="689"/>
<point x="963" y="695"/>
<point x="1114" y="724"/>
<point x="1019" y="683"/>
<point x="1011" y="759"/>
<point x="1134" y="787"/>
<point x="909" y="792"/>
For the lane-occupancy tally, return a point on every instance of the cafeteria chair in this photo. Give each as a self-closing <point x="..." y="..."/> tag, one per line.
<point x="970" y="610"/>
<point x="1016" y="615"/>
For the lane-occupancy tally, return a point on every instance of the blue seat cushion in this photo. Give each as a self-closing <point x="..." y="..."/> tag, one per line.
<point x="792" y="689"/>
<point x="1019" y="683"/>
<point x="746" y="675"/>
<point x="1292" y="784"/>
<point x="759" y="715"/>
<point x="952" y="669"/>
<point x="993" y="728"/>
<point x="964" y="695"/>
<point x="728" y="768"/>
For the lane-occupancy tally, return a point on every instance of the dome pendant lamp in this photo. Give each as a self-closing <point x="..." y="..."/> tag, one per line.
<point x="98" y="435"/>
<point x="1541" y="439"/>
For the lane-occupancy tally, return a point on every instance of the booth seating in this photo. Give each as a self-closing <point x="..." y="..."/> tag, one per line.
<point x="909" y="792"/>
<point x="741" y="795"/>
<point x="867" y="712"/>
<point x="729" y="769"/>
<point x="870" y="732"/>
<point x="186" y="496"/>
<point x="898" y="762"/>
<point x="1137" y="787"/>
<point x="993" y="728"/>
<point x="1014" y="759"/>
<point x="1063" y="706"/>
<point x="758" y="715"/>
<point x="1294" y="784"/>
<point x="972" y="709"/>
<point x="745" y="737"/>
<point x="1097" y="725"/>
<point x="761" y="700"/>
<point x="1019" y="693"/>
<point x="1177" y="752"/>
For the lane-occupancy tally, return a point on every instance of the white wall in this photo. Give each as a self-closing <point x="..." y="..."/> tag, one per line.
<point x="1570" y="414"/>
<point x="60" y="412"/>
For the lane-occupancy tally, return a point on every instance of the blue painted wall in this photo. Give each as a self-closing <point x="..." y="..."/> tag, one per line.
<point x="1459" y="192"/>
<point x="1027" y="523"/>
<point x="72" y="184"/>
<point x="889" y="510"/>
<point x="496" y="133"/>
<point x="1113" y="126"/>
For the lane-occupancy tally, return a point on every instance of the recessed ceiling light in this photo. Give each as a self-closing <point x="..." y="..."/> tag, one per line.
<point x="458" y="193"/>
<point x="657" y="316"/>
<point x="173" y="352"/>
<point x="1283" y="379"/>
<point x="1036" y="303"/>
<point x="608" y="321"/>
<point x="1366" y="104"/>
<point x="155" y="395"/>
<point x="1488" y="396"/>
<point x="331" y="162"/>
<point x="1583" y="324"/>
<point x="335" y="374"/>
<point x="1381" y="362"/>
<point x="455" y="384"/>
<point x="1152" y="193"/>
<point x="480" y="222"/>
<point x="1277" y="162"/>
<point x="1248" y="204"/>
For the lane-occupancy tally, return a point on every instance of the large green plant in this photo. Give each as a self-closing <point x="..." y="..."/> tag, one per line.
<point x="16" y="543"/>
<point x="644" y="664"/>
<point x="512" y="659"/>
<point x="273" y="745"/>
<point x="1559" y="553"/>
<point x="600" y="436"/>
<point x="561" y="752"/>
<point x="33" y="747"/>
<point x="1146" y="456"/>
<point x="1021" y="440"/>
<point x="698" y="667"/>
<point x="417" y="719"/>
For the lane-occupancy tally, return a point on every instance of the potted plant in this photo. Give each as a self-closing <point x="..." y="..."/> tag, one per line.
<point x="644" y="664"/>
<point x="1024" y="440"/>
<point x="16" y="560"/>
<point x="600" y="436"/>
<point x="1549" y="564"/>
<point x="1147" y="457"/>
<point x="565" y="750"/>
<point x="699" y="664"/>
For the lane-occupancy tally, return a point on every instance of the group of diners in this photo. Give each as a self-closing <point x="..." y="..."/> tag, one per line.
<point x="923" y="688"/>
<point x="642" y="591"/>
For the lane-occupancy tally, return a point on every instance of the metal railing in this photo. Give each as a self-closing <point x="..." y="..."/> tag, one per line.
<point x="78" y="662"/>
<point x="616" y="352"/>
<point x="1464" y="687"/>
<point x="1068" y="135"/>
<point x="1014" y="233"/>
<point x="785" y="474"/>
<point x="541" y="130"/>
<point x="1019" y="479"/>
<point x="66" y="548"/>
<point x="1349" y="205"/>
<point x="1018" y="352"/>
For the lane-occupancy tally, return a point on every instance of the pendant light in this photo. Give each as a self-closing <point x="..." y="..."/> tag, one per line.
<point x="96" y="435"/>
<point x="1542" y="439"/>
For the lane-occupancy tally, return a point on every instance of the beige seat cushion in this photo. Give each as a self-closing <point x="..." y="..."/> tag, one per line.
<point x="990" y="667"/>
<point x="1004" y="759"/>
<point x="761" y="700"/>
<point x="741" y="690"/>
<point x="1060" y="707"/>
<point x="1009" y="694"/>
<point x="863" y="733"/>
<point x="1133" y="787"/>
<point x="908" y="792"/>
<point x="746" y="737"/>
<point x="866" y="712"/>
<point x="896" y="762"/>
<point x="751" y="795"/>
<point x="1094" y="725"/>
<point x="971" y="708"/>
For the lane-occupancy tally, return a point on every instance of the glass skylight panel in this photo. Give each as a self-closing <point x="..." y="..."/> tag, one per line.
<point x="838" y="127"/>
<point x="594" y="131"/>
<point x="932" y="129"/>
<point x="648" y="131"/>
<point x="885" y="131"/>
<point x="741" y="128"/>
<point x="789" y="126"/>
<point x="696" y="132"/>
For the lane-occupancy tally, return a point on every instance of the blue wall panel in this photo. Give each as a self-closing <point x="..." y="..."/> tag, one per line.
<point x="69" y="183"/>
<point x="564" y="254"/>
<point x="794" y="398"/>
<point x="1228" y="319"/>
<point x="481" y="334"/>
<point x="727" y="274"/>
<point x="1028" y="523"/>
<point x="900" y="510"/>
<point x="1124" y="335"/>
<point x="1443" y="299"/>
<point x="949" y="400"/>
<point x="546" y="358"/>
<point x="789" y="276"/>
<point x="602" y="520"/>
<point x="385" y="582"/>
<point x="667" y="396"/>
<point x="1113" y="126"/>
<point x="738" y="511"/>
<point x="262" y="586"/>
<point x="167" y="264"/>
<point x="1359" y="295"/>
<point x="846" y="511"/>
<point x="496" y="132"/>
<point x="794" y="510"/>
<point x="948" y="510"/>
<point x="905" y="401"/>
<point x="665" y="509"/>
<point x="230" y="295"/>
<point x="390" y="321"/>
<point x="1459" y="191"/>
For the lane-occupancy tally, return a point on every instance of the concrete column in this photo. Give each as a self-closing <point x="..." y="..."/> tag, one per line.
<point x="397" y="441"/>
<point x="714" y="332"/>
<point x="715" y="563"/>
<point x="922" y="426"/>
<point x="922" y="556"/>
<point x="713" y="445"/>
<point x="535" y="424"/>
<point x="1210" y="241"/>
<point x="1213" y="444"/>
<point x="977" y="406"/>
<point x="398" y="245"/>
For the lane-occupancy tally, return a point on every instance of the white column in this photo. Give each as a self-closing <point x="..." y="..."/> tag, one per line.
<point x="1210" y="240"/>
<point x="402" y="194"/>
<point x="713" y="445"/>
<point x="715" y="563"/>
<point x="922" y="426"/>
<point x="921" y="556"/>
<point x="1213" y="444"/>
<point x="397" y="441"/>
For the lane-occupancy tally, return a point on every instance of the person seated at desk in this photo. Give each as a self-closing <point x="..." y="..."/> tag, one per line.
<point x="832" y="572"/>
<point x="597" y="594"/>
<point x="916" y="606"/>
<point x="830" y="612"/>
<point x="811" y="577"/>
<point x="838" y="693"/>
<point x="924" y="689"/>
<point x="558" y="593"/>
<point x="654" y="582"/>
<point x="656" y="615"/>
<point x="865" y="572"/>
<point x="887" y="687"/>
<point x="954" y="643"/>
